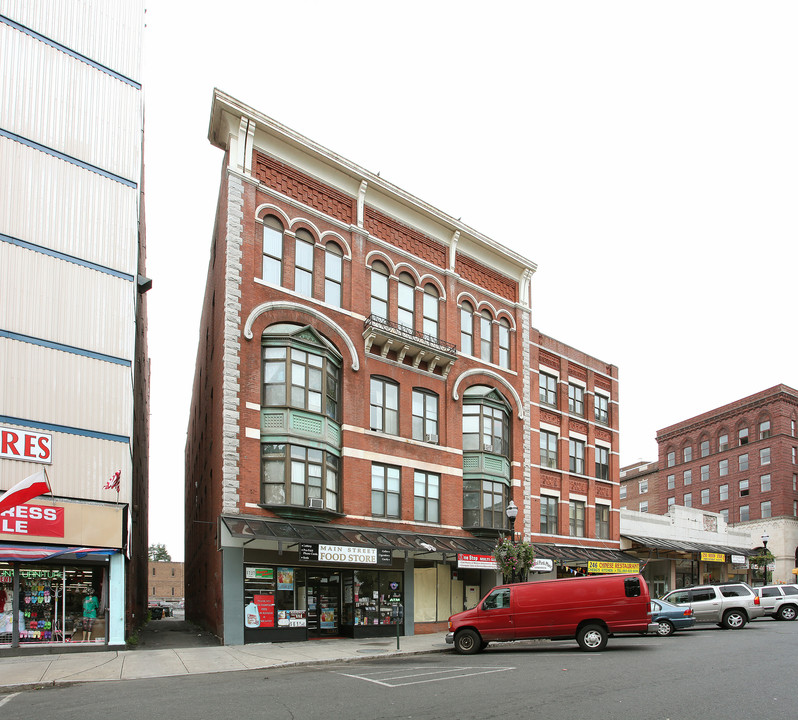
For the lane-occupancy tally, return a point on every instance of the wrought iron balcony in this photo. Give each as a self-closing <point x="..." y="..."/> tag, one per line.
<point x="404" y="342"/>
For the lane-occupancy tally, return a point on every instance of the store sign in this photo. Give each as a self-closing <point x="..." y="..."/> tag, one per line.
<point x="713" y="557"/>
<point x="16" y="444"/>
<point x="542" y="565"/>
<point x="476" y="562"/>
<point x="601" y="567"/>
<point x="310" y="552"/>
<point x="33" y="520"/>
<point x="739" y="560"/>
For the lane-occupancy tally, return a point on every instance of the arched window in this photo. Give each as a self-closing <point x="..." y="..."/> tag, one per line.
<point x="406" y="302"/>
<point x="486" y="422"/>
<point x="379" y="290"/>
<point x="430" y="311"/>
<point x="303" y="263"/>
<point x="504" y="343"/>
<point x="466" y="329"/>
<point x="272" y="250"/>
<point x="333" y="275"/>
<point x="486" y="336"/>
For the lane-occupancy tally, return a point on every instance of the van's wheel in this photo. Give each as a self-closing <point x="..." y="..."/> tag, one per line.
<point x="665" y="628"/>
<point x="467" y="642"/>
<point x="787" y="612"/>
<point x="734" y="619"/>
<point x="592" y="638"/>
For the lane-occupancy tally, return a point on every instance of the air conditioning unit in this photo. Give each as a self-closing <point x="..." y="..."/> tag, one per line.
<point x="431" y="438"/>
<point x="487" y="447"/>
<point x="316" y="503"/>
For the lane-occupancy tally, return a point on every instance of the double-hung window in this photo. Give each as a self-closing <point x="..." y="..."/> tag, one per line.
<point x="576" y="456"/>
<point x="484" y="503"/>
<point x="504" y="344"/>
<point x="385" y="491"/>
<point x="272" y="269"/>
<point x="426" y="497"/>
<point x="576" y="517"/>
<point x="603" y="522"/>
<point x="333" y="275"/>
<point x="425" y="416"/>
<point x="548" y="514"/>
<point x="485" y="337"/>
<point x="303" y="263"/>
<point x="466" y="329"/>
<point x="548" y="449"/>
<point x="576" y="400"/>
<point x="430" y="308"/>
<point x="406" y="302"/>
<point x="548" y="389"/>
<point x="379" y="290"/>
<point x="602" y="409"/>
<point x="384" y="406"/>
<point x="602" y="463"/>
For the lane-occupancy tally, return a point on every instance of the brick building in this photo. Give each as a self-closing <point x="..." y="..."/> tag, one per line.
<point x="369" y="398"/>
<point x="165" y="582"/>
<point x="739" y="460"/>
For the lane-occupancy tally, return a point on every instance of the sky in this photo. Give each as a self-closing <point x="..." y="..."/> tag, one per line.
<point x="643" y="154"/>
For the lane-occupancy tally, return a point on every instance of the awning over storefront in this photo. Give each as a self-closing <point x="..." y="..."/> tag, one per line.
<point x="574" y="554"/>
<point x="37" y="553"/>
<point x="686" y="546"/>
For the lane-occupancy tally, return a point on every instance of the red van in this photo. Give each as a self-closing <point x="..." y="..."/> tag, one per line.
<point x="589" y="609"/>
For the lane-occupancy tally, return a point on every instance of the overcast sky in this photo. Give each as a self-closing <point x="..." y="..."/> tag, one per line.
<point x="643" y="154"/>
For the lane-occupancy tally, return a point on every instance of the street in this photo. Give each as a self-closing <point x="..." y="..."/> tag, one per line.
<point x="701" y="674"/>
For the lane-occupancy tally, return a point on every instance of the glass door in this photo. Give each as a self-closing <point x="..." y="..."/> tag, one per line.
<point x="324" y="603"/>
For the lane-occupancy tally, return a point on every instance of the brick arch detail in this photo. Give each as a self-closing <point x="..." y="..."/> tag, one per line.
<point x="494" y="376"/>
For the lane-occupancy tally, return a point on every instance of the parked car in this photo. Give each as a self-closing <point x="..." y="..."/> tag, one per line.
<point x="729" y="605"/>
<point x="158" y="611"/>
<point x="670" y="618"/>
<point x="589" y="609"/>
<point x="779" y="601"/>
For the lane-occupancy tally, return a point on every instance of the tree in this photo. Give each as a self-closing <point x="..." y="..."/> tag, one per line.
<point x="158" y="553"/>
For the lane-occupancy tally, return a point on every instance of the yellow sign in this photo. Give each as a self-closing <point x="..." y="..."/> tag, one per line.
<point x="713" y="557"/>
<point x="598" y="566"/>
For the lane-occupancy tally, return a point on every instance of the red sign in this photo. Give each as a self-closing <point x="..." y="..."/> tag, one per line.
<point x="33" y="520"/>
<point x="479" y="562"/>
<point x="25" y="445"/>
<point x="265" y="605"/>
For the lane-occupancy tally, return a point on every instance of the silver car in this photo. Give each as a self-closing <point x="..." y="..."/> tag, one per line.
<point x="779" y="601"/>
<point x="729" y="605"/>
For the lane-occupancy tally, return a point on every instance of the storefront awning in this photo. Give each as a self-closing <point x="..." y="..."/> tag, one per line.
<point x="686" y="546"/>
<point x="37" y="553"/>
<point x="574" y="554"/>
<point x="251" y="529"/>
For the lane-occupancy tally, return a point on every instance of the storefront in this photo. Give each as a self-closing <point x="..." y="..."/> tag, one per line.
<point x="62" y="574"/>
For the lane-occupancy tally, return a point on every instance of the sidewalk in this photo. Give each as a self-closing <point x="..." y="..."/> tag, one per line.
<point x="19" y="672"/>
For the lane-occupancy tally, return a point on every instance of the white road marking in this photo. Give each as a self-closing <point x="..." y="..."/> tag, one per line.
<point x="425" y="672"/>
<point x="7" y="698"/>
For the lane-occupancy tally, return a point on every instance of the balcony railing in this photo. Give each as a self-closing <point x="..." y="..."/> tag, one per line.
<point x="381" y="324"/>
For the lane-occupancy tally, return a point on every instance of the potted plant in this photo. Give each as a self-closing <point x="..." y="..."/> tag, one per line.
<point x="513" y="559"/>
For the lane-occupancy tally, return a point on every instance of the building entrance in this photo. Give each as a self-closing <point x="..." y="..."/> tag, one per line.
<point x="324" y="603"/>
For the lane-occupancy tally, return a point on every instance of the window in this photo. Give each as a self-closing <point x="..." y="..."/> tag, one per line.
<point x="153" y="572"/>
<point x="642" y="487"/>
<point x="742" y="436"/>
<point x="296" y="475"/>
<point x="764" y="429"/>
<point x="333" y="275"/>
<point x="466" y="329"/>
<point x="724" y="492"/>
<point x="385" y="491"/>
<point x="484" y="502"/>
<point x="425" y="416"/>
<point x="794" y="456"/>
<point x="704" y="473"/>
<point x="764" y="456"/>
<point x="687" y="453"/>
<point x="688" y="477"/>
<point x="671" y="482"/>
<point x="643" y="507"/>
<point x="430" y="310"/>
<point x="548" y="389"/>
<point x="379" y="290"/>
<point x="623" y="492"/>
<point x="723" y="442"/>
<point x="303" y="264"/>
<point x="426" y="497"/>
<point x="485" y="426"/>
<point x="743" y="488"/>
<point x="704" y="448"/>
<point x="764" y="483"/>
<point x="671" y="501"/>
<point x="384" y="406"/>
<point x="405" y="301"/>
<point x="724" y="514"/>
<point x="576" y="518"/>
<point x="744" y="513"/>
<point x="705" y="496"/>
<point x="548" y="514"/>
<point x="688" y="499"/>
<point x="272" y="251"/>
<point x="671" y="458"/>
<point x="764" y="509"/>
<point x="576" y="455"/>
<point x="742" y="462"/>
<point x="576" y="400"/>
<point x="548" y="449"/>
<point x="603" y="522"/>
<point x="485" y="337"/>
<point x="602" y="463"/>
<point x="504" y="343"/>
<point x="601" y="409"/>
<point x="723" y="468"/>
<point x="497" y="599"/>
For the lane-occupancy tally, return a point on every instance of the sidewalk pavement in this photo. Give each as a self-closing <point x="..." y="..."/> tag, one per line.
<point x="22" y="672"/>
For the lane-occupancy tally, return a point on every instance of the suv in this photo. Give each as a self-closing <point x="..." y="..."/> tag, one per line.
<point x="730" y="605"/>
<point x="779" y="601"/>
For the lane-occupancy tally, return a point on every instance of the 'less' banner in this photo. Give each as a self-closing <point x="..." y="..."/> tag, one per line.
<point x="35" y="520"/>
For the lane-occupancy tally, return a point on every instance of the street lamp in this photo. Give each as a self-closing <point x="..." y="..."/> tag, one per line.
<point x="765" y="539"/>
<point x="512" y="513"/>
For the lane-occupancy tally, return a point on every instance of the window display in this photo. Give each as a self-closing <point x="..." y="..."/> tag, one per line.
<point x="377" y="597"/>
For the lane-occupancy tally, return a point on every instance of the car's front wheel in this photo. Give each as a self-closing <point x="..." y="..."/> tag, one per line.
<point x="665" y="628"/>
<point x="787" y="612"/>
<point x="734" y="619"/>
<point x="467" y="642"/>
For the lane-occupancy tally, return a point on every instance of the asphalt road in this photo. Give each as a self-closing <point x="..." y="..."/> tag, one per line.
<point x="703" y="674"/>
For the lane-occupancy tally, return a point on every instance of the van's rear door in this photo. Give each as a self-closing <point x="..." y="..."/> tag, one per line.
<point x="496" y="620"/>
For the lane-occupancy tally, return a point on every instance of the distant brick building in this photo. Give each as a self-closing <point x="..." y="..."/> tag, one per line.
<point x="165" y="582"/>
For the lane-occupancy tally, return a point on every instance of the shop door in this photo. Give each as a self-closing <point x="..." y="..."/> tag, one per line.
<point x="324" y="603"/>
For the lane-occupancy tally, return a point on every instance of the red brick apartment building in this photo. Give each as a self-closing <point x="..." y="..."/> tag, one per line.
<point x="369" y="399"/>
<point x="165" y="582"/>
<point x="739" y="460"/>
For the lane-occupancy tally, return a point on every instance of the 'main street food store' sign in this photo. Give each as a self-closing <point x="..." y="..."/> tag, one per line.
<point x="310" y="552"/>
